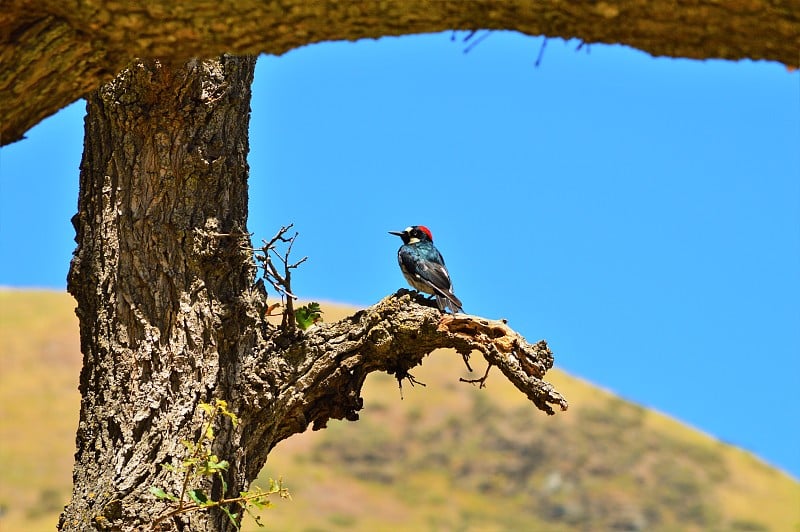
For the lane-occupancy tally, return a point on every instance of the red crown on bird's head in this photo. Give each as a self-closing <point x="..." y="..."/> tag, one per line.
<point x="426" y="231"/>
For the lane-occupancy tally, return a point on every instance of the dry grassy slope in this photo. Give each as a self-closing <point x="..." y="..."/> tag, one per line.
<point x="447" y="456"/>
<point x="39" y="369"/>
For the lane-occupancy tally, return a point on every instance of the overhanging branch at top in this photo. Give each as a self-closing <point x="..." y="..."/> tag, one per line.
<point x="55" y="54"/>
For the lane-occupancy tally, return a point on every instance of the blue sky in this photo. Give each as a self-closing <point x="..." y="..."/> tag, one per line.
<point x="641" y="214"/>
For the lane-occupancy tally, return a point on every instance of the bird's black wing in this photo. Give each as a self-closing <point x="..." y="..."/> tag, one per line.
<point x="434" y="276"/>
<point x="430" y="273"/>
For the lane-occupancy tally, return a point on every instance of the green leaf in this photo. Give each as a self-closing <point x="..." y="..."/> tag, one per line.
<point x="161" y="494"/>
<point x="223" y="408"/>
<point x="223" y="465"/>
<point x="199" y="497"/>
<point x="256" y="497"/>
<point x="222" y="480"/>
<point x="275" y="486"/>
<point x="207" y="408"/>
<point x="261" y="502"/>
<point x="308" y="315"/>
<point x="221" y="404"/>
<point x="213" y="465"/>
<point x="232" y="517"/>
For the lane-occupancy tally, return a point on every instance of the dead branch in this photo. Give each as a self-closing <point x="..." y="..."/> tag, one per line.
<point x="322" y="371"/>
<point x="281" y="282"/>
<point x="481" y="382"/>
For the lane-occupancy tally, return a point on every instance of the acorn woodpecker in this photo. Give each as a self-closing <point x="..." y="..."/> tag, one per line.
<point x="423" y="266"/>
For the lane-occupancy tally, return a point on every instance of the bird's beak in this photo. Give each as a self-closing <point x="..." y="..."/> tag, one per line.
<point x="396" y="233"/>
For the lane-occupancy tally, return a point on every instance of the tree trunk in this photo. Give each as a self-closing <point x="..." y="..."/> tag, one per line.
<point x="55" y="52"/>
<point x="161" y="295"/>
<point x="170" y="316"/>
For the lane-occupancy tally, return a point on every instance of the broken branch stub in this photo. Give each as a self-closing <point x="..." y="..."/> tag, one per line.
<point x="522" y="363"/>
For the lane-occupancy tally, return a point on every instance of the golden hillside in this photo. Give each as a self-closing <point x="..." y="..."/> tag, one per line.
<point x="446" y="457"/>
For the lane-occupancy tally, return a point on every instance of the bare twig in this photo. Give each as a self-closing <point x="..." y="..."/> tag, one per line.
<point x="465" y="356"/>
<point x="482" y="381"/>
<point x="541" y="53"/>
<point x="470" y="35"/>
<point x="476" y="42"/>
<point x="220" y="235"/>
<point x="404" y="374"/>
<point x="281" y="281"/>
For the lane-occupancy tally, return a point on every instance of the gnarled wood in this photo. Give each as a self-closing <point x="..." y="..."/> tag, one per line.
<point x="54" y="52"/>
<point x="319" y="374"/>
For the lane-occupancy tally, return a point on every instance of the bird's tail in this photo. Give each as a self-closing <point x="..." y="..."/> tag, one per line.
<point x="449" y="299"/>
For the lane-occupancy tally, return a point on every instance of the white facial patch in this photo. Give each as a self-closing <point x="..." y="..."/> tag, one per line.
<point x="413" y="239"/>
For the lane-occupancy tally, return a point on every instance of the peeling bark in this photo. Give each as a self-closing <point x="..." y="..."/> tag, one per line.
<point x="54" y="52"/>
<point x="170" y="315"/>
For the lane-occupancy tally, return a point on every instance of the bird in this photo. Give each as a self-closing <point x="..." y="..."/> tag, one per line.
<point x="423" y="267"/>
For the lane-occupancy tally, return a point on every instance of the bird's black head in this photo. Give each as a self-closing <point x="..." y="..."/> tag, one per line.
<point x="414" y="234"/>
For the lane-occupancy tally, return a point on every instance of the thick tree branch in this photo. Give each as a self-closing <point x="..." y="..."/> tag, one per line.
<point x="54" y="52"/>
<point x="327" y="365"/>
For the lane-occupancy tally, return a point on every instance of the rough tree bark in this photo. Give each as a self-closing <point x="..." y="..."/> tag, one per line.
<point x="170" y="316"/>
<point x="54" y="52"/>
<point x="163" y="325"/>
